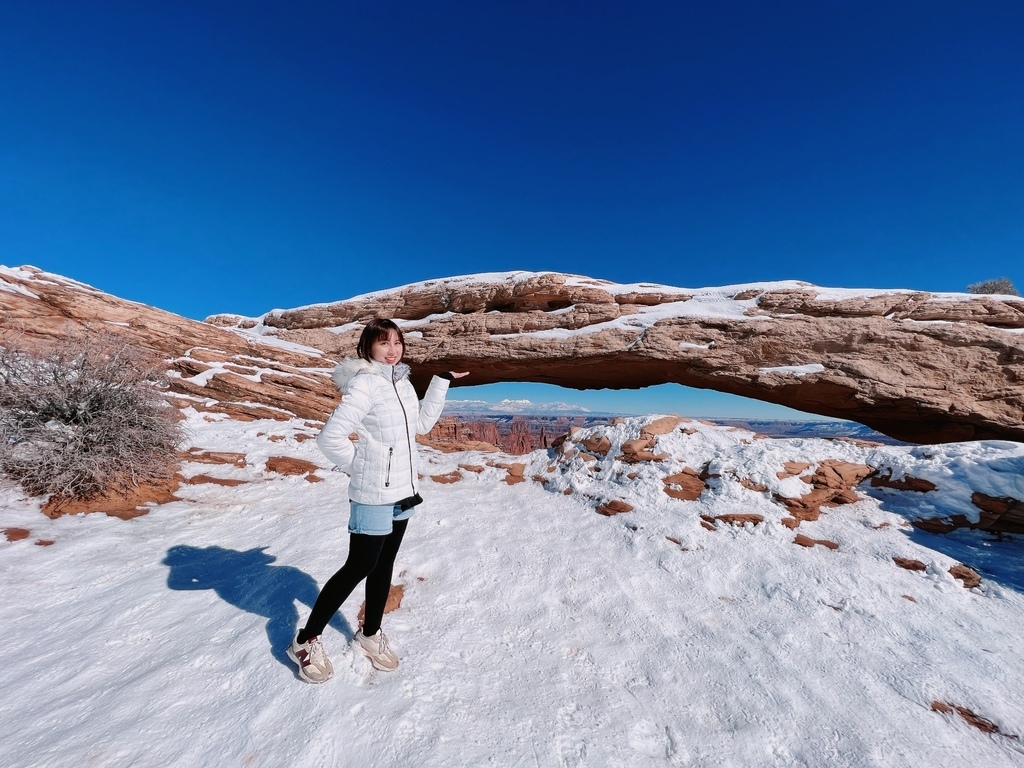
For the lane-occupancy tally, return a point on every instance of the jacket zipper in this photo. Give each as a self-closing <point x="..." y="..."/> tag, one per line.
<point x="405" y="416"/>
<point x="387" y="475"/>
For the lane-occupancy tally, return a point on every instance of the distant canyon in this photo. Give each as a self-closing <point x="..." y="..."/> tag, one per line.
<point x="520" y="434"/>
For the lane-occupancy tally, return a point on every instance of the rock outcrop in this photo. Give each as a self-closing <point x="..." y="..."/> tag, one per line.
<point x="917" y="366"/>
<point x="519" y="440"/>
<point x="212" y="369"/>
<point x="451" y="434"/>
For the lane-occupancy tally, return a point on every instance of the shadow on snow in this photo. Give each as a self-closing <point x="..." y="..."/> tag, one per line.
<point x="248" y="581"/>
<point x="999" y="559"/>
<point x="996" y="559"/>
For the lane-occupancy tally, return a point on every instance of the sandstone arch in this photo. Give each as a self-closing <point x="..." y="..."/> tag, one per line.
<point x="917" y="366"/>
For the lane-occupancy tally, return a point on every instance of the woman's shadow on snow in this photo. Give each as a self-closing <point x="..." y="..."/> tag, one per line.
<point x="249" y="581"/>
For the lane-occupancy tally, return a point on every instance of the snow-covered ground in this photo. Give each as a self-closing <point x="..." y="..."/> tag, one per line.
<point x="533" y="632"/>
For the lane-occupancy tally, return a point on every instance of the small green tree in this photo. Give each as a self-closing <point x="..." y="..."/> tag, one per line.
<point x="999" y="285"/>
<point x="83" y="418"/>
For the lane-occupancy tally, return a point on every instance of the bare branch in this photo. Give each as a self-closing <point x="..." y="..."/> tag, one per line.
<point x="84" y="417"/>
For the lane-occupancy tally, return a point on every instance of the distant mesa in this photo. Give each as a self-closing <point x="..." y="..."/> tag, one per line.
<point x="916" y="366"/>
<point x="524" y="407"/>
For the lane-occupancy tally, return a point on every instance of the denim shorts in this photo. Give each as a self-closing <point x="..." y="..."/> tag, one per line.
<point x="375" y="519"/>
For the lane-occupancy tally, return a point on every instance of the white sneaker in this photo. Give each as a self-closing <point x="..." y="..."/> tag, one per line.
<point x="314" y="666"/>
<point x="377" y="650"/>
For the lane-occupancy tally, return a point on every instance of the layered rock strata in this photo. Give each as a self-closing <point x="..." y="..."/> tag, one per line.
<point x="220" y="370"/>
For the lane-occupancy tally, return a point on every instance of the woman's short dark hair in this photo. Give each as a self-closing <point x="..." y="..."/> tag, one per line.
<point x="378" y="329"/>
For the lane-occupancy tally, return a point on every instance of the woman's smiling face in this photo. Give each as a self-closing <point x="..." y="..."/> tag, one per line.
<point x="388" y="350"/>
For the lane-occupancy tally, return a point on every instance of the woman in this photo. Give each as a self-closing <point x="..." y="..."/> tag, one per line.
<point x="379" y="404"/>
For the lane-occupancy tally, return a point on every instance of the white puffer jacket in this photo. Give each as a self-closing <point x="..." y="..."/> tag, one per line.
<point x="379" y="404"/>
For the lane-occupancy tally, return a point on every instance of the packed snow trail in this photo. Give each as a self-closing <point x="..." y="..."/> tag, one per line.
<point x="533" y="632"/>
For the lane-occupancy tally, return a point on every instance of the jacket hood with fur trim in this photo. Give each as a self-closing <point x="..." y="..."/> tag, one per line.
<point x="356" y="366"/>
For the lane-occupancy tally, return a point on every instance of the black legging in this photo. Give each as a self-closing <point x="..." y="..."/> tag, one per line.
<point x="371" y="558"/>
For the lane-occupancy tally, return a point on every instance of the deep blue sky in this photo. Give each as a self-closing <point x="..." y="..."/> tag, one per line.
<point x="217" y="156"/>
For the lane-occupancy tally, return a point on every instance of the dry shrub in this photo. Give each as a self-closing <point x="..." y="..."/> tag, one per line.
<point x="84" y="417"/>
<point x="1001" y="285"/>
